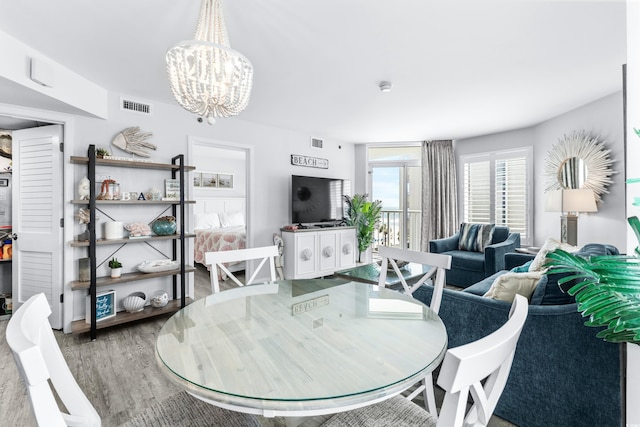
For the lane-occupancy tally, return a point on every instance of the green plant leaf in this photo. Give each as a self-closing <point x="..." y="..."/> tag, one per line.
<point x="607" y="290"/>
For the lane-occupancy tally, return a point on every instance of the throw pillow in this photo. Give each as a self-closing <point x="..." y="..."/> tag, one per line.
<point x="231" y="219"/>
<point x="522" y="268"/>
<point x="475" y="237"/>
<point x="206" y="221"/>
<point x="506" y="287"/>
<point x="550" y="245"/>
<point x="549" y="293"/>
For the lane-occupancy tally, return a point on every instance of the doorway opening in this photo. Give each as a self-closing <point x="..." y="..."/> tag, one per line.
<point x="33" y="210"/>
<point x="220" y="188"/>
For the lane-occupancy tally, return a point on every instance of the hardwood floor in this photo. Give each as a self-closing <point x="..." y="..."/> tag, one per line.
<point x="118" y="372"/>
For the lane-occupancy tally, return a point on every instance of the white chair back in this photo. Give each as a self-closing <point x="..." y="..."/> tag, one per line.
<point x="480" y="368"/>
<point x="39" y="359"/>
<point x="438" y="263"/>
<point x="217" y="260"/>
<point x="437" y="273"/>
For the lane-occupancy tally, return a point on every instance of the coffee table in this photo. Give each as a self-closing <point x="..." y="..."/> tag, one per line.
<point x="302" y="347"/>
<point x="370" y="273"/>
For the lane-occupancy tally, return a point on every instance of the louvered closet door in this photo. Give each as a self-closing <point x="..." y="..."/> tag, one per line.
<point x="37" y="210"/>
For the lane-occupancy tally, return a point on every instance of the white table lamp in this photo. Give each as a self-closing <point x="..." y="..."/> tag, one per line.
<point x="572" y="202"/>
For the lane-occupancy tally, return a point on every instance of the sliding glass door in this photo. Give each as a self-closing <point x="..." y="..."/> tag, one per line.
<point x="397" y="184"/>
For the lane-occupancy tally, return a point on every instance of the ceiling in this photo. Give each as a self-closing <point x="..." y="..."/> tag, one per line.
<point x="459" y="68"/>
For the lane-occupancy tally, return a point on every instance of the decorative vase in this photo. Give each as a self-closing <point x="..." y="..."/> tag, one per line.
<point x="84" y="235"/>
<point x="134" y="302"/>
<point x="116" y="272"/>
<point x="159" y="299"/>
<point x="164" y="226"/>
<point x="113" y="230"/>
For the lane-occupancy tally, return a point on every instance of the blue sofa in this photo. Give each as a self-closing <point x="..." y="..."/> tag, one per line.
<point x="562" y="375"/>
<point x="469" y="267"/>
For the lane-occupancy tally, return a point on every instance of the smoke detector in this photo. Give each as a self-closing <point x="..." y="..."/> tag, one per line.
<point x="385" y="87"/>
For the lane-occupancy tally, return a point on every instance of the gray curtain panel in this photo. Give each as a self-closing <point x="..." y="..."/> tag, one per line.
<point x="439" y="192"/>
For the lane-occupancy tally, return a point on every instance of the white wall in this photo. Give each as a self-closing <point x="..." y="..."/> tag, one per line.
<point x="221" y="160"/>
<point x="66" y="89"/>
<point x="269" y="189"/>
<point x="603" y="118"/>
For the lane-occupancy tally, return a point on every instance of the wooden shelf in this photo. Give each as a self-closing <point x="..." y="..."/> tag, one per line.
<point x="177" y="168"/>
<point x="81" y="243"/>
<point x="80" y="326"/>
<point x="133" y="202"/>
<point x="127" y="277"/>
<point x="130" y="164"/>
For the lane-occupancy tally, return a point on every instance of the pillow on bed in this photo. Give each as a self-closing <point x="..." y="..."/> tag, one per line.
<point x="231" y="219"/>
<point x="206" y="221"/>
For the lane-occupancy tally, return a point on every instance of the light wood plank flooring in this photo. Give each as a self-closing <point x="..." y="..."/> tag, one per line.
<point x="118" y="372"/>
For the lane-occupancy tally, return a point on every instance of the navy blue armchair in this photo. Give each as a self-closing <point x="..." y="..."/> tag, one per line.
<point x="468" y="267"/>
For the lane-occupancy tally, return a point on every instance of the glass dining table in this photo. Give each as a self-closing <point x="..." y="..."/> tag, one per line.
<point x="299" y="348"/>
<point x="370" y="273"/>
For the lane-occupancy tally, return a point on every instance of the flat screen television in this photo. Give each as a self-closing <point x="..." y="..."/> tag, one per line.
<point x="317" y="200"/>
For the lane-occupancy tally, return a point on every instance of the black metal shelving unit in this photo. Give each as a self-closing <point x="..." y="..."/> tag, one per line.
<point x="178" y="170"/>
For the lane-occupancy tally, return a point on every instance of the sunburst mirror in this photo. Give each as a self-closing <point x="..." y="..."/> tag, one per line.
<point x="579" y="161"/>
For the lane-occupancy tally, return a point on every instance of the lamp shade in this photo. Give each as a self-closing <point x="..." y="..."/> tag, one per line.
<point x="566" y="200"/>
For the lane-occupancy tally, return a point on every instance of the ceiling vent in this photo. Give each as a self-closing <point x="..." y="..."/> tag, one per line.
<point x="127" y="104"/>
<point x="317" y="143"/>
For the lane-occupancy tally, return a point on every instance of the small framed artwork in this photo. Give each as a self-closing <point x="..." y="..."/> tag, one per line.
<point x="209" y="180"/>
<point x="172" y="189"/>
<point x="197" y="179"/>
<point x="225" y="180"/>
<point x="105" y="306"/>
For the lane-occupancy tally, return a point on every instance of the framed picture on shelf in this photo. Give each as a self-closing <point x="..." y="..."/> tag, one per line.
<point x="197" y="179"/>
<point x="225" y="180"/>
<point x="209" y="180"/>
<point x="171" y="189"/>
<point x="105" y="306"/>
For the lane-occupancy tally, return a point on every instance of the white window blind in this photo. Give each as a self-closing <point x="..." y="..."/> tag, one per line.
<point x="497" y="189"/>
<point x="477" y="191"/>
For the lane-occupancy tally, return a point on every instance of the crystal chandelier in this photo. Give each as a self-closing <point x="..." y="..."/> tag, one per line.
<point x="207" y="77"/>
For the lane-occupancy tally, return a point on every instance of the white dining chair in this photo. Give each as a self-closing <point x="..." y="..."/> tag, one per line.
<point x="47" y="375"/>
<point x="438" y="264"/>
<point x="216" y="260"/>
<point x="479" y="370"/>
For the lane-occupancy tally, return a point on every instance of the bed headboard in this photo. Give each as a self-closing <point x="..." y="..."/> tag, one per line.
<point x="219" y="204"/>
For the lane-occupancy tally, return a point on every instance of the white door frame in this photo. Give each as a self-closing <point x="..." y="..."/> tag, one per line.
<point x="68" y="124"/>
<point x="227" y="145"/>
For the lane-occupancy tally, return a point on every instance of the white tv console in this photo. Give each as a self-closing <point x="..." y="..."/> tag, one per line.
<point x="317" y="252"/>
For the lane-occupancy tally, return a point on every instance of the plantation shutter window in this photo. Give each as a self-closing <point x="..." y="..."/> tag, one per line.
<point x="497" y="189"/>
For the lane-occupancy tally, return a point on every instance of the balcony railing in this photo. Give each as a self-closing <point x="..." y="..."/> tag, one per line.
<point x="391" y="228"/>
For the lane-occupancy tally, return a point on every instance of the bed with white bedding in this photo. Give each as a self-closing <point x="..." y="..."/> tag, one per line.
<point x="219" y="226"/>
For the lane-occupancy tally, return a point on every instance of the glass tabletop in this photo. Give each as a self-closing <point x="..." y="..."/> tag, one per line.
<point x="370" y="273"/>
<point x="301" y="345"/>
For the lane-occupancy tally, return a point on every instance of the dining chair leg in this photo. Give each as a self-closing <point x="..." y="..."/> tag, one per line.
<point x="429" y="395"/>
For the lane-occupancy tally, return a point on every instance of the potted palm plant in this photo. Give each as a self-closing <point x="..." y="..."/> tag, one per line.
<point x="116" y="268"/>
<point x="364" y="216"/>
